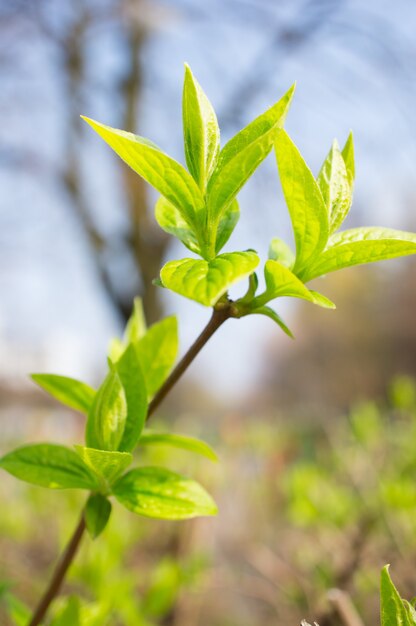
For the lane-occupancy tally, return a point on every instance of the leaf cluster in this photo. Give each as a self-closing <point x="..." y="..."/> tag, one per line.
<point x="116" y="415"/>
<point x="199" y="206"/>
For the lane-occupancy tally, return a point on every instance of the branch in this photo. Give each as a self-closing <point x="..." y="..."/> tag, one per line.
<point x="217" y="319"/>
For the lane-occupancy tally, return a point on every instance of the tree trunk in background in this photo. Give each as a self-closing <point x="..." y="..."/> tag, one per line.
<point x="147" y="241"/>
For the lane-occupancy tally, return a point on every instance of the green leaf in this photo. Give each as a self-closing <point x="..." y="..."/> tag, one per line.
<point x="116" y="349"/>
<point x="228" y="222"/>
<point x="149" y="437"/>
<point x="200" y="130"/>
<point x="206" y="281"/>
<point x="108" y="414"/>
<point x="157" y="351"/>
<point x="97" y="514"/>
<point x="136" y="326"/>
<point x="360" y="245"/>
<point x="335" y="187"/>
<point x="268" y="312"/>
<point x="280" y="251"/>
<point x="68" y="391"/>
<point x="17" y="611"/>
<point x="348" y="156"/>
<point x="304" y="200"/>
<point x="394" y="611"/>
<point x="280" y="281"/>
<point x="171" y="221"/>
<point x="161" y="171"/>
<point x="242" y="155"/>
<point x="108" y="465"/>
<point x="70" y="615"/>
<point x="159" y="493"/>
<point x="134" y="385"/>
<point x="49" y="465"/>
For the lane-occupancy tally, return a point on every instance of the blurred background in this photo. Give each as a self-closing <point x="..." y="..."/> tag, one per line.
<point x="316" y="480"/>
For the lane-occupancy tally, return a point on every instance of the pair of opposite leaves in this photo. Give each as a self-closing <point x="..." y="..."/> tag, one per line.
<point x="200" y="208"/>
<point x="116" y="415"/>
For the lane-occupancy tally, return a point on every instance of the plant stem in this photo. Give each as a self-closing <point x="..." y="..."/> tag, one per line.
<point x="217" y="319"/>
<point x="59" y="573"/>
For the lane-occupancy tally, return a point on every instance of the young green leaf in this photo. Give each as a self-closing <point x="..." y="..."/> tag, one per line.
<point x="136" y="326"/>
<point x="360" y="245"/>
<point x="159" y="493"/>
<point x="200" y="130"/>
<point x="169" y="218"/>
<point x="268" y="312"/>
<point x="335" y="187"/>
<point x="171" y="221"/>
<point x="70" y="615"/>
<point x="97" y="514"/>
<point x="116" y="349"/>
<point x="49" y="465"/>
<point x="280" y="251"/>
<point x="68" y="391"/>
<point x="18" y="612"/>
<point x="242" y="155"/>
<point x="304" y="200"/>
<point x="206" y="281"/>
<point x="227" y="223"/>
<point x="157" y="351"/>
<point x="161" y="171"/>
<point x="108" y="414"/>
<point x="134" y="385"/>
<point x="108" y="465"/>
<point x="394" y="610"/>
<point x="280" y="281"/>
<point x="149" y="437"/>
<point x="348" y="156"/>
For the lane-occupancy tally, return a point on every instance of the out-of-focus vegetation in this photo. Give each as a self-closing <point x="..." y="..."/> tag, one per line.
<point x="304" y="509"/>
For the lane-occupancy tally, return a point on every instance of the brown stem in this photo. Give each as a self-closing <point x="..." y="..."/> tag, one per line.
<point x="217" y="319"/>
<point x="59" y="573"/>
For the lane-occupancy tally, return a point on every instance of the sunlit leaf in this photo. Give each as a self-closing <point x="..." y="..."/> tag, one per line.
<point x="157" y="351"/>
<point x="280" y="251"/>
<point x="68" y="391"/>
<point x="49" y="465"/>
<point x="200" y="129"/>
<point x="360" y="245"/>
<point x="348" y="156"/>
<point x="171" y="221"/>
<point x="335" y="187"/>
<point x="280" y="281"/>
<point x="159" y="493"/>
<point x="108" y="465"/>
<point x="136" y="326"/>
<point x="134" y="385"/>
<point x="242" y="155"/>
<point x="149" y="437"/>
<point x="108" y="414"/>
<point x="304" y="200"/>
<point x="206" y="281"/>
<point x="394" y="610"/>
<point x="162" y="172"/>
<point x="228" y="222"/>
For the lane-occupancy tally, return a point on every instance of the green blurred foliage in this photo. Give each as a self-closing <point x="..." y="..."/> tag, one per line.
<point x="303" y="508"/>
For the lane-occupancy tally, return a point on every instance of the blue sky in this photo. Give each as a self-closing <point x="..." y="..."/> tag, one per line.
<point x="356" y="70"/>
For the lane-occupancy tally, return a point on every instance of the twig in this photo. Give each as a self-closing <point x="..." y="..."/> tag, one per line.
<point x="217" y="319"/>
